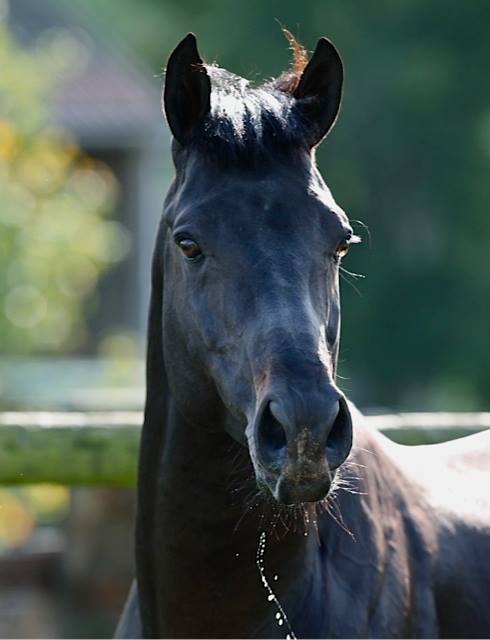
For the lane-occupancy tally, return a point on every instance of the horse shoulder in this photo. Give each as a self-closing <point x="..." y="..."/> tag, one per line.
<point x="458" y="494"/>
<point x="451" y="480"/>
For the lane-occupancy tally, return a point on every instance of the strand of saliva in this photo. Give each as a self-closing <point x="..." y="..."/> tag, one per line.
<point x="281" y="616"/>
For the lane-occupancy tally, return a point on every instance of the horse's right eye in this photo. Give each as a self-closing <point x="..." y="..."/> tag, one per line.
<point x="190" y="249"/>
<point x="342" y="249"/>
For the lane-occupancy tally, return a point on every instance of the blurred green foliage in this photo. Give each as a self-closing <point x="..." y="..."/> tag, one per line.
<point x="409" y="157"/>
<point x="22" y="508"/>
<point x="56" y="237"/>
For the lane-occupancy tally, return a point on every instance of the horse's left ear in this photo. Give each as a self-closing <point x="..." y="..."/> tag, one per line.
<point x="319" y="90"/>
<point x="186" y="96"/>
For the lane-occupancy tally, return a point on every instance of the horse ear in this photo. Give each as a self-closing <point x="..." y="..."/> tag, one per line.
<point x="319" y="90"/>
<point x="186" y="96"/>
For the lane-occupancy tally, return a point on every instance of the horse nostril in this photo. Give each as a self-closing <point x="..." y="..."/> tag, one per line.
<point x="271" y="438"/>
<point x="339" y="441"/>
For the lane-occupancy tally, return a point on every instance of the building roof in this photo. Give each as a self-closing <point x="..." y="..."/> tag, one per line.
<point x="110" y="98"/>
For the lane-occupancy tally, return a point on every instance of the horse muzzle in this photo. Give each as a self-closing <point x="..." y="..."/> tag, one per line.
<point x="295" y="455"/>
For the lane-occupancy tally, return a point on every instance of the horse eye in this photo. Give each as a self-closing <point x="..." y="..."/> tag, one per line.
<point x="341" y="249"/>
<point x="189" y="248"/>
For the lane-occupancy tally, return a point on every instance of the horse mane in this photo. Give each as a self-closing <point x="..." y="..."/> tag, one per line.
<point x="247" y="121"/>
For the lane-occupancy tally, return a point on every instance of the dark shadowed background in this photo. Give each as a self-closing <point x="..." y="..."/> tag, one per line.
<point x="84" y="165"/>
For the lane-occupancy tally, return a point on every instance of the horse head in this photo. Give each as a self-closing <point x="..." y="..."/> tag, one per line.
<point x="250" y="244"/>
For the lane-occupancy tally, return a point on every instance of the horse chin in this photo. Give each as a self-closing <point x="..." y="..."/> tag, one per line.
<point x="286" y="493"/>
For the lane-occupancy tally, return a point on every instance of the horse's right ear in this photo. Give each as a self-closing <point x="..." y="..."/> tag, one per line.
<point x="186" y="96"/>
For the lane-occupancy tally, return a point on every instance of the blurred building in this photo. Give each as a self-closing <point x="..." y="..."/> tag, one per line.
<point x="110" y="102"/>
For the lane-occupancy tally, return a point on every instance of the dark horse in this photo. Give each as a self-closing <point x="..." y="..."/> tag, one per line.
<point x="348" y="535"/>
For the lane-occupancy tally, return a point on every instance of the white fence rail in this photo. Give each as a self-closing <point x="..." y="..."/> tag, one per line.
<point x="100" y="448"/>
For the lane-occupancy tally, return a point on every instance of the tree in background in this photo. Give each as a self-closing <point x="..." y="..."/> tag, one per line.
<point x="56" y="235"/>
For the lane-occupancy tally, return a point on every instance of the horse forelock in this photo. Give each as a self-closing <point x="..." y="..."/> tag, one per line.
<point x="246" y="121"/>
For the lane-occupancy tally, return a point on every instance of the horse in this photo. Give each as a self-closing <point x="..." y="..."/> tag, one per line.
<point x="266" y="507"/>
